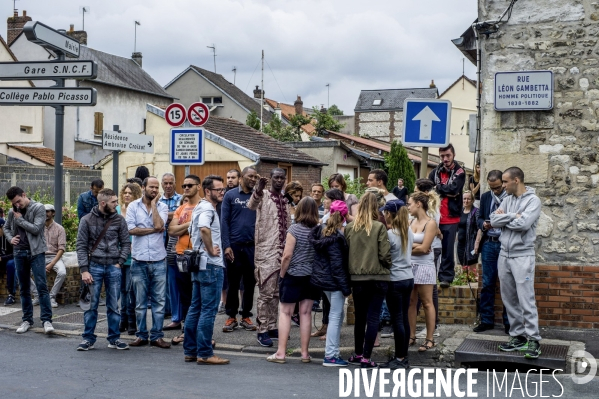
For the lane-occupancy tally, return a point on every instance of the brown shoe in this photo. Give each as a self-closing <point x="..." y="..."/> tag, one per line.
<point x="160" y="343"/>
<point x="320" y="332"/>
<point x="172" y="326"/>
<point x="139" y="342"/>
<point x="214" y="360"/>
<point x="189" y="359"/>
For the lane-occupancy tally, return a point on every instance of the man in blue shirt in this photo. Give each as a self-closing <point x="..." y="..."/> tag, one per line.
<point x="238" y="224"/>
<point x="89" y="199"/>
<point x="170" y="198"/>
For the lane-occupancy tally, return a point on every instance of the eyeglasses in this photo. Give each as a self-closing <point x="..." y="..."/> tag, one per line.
<point x="189" y="185"/>
<point x="220" y="190"/>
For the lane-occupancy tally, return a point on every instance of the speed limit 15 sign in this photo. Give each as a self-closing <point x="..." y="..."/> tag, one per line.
<point x="175" y="114"/>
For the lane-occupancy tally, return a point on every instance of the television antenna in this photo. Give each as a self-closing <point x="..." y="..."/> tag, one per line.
<point x="213" y="47"/>
<point x="135" y="40"/>
<point x="234" y="74"/>
<point x="83" y="10"/>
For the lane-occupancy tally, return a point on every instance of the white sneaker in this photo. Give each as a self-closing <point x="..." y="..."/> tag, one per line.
<point x="221" y="308"/>
<point x="35" y="301"/>
<point x="422" y="334"/>
<point x="23" y="328"/>
<point x="53" y="303"/>
<point x="48" y="328"/>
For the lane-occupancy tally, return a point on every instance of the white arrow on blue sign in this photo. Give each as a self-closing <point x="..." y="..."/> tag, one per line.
<point x="426" y="122"/>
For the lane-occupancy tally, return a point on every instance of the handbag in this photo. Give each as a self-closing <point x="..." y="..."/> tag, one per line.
<point x="102" y="234"/>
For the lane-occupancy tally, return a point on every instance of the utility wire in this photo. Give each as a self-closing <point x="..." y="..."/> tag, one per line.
<point x="273" y="75"/>
<point x="250" y="81"/>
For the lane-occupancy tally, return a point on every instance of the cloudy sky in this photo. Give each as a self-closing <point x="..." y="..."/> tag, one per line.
<point x="352" y="44"/>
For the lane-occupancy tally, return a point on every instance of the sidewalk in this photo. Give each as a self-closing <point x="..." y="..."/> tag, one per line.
<point x="68" y="320"/>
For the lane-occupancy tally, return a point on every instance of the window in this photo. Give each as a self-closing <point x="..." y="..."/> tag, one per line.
<point x="217" y="100"/>
<point x="377" y="102"/>
<point x="98" y="123"/>
<point x="26" y="129"/>
<point x="207" y="100"/>
<point x="287" y="167"/>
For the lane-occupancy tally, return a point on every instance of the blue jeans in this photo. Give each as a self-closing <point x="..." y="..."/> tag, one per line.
<point x="25" y="265"/>
<point x="127" y="296"/>
<point x="490" y="256"/>
<point x="11" y="277"/>
<point x="173" y="289"/>
<point x="337" y="301"/>
<point x="398" y="298"/>
<point x="385" y="315"/>
<point x="199" y="323"/>
<point x="110" y="275"/>
<point x="149" y="279"/>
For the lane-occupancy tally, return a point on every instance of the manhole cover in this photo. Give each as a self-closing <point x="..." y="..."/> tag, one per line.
<point x="4" y="310"/>
<point x="478" y="350"/>
<point x="74" y="318"/>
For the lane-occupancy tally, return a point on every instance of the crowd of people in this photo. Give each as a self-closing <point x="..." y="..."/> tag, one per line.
<point x="389" y="250"/>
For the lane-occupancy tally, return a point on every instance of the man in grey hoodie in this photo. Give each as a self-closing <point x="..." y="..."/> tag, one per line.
<point x="517" y="217"/>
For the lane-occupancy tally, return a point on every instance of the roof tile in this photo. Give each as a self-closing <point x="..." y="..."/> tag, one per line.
<point x="46" y="155"/>
<point x="392" y="99"/>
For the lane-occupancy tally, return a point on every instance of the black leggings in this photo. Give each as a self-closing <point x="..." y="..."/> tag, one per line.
<point x="398" y="301"/>
<point x="368" y="300"/>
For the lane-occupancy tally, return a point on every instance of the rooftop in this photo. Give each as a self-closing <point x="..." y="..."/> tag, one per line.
<point x="46" y="155"/>
<point x="391" y="99"/>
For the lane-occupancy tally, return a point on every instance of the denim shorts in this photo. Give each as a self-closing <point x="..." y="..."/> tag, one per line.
<point x="294" y="289"/>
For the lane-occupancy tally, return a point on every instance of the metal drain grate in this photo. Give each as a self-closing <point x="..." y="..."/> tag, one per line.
<point x="74" y="318"/>
<point x="477" y="350"/>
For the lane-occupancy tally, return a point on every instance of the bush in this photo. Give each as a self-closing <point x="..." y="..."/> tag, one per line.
<point x="354" y="186"/>
<point x="70" y="221"/>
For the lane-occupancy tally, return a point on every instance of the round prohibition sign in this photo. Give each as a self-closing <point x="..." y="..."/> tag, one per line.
<point x="197" y="114"/>
<point x="175" y="114"/>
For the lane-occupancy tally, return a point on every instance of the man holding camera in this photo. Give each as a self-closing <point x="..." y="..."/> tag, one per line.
<point x="208" y="280"/>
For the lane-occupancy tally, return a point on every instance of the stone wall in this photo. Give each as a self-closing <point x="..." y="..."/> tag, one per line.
<point x="41" y="179"/>
<point x="557" y="149"/>
<point x="382" y="125"/>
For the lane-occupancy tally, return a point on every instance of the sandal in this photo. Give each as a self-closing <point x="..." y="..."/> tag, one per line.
<point x="424" y="347"/>
<point x="178" y="339"/>
<point x="412" y="341"/>
<point x="273" y="358"/>
<point x="306" y="359"/>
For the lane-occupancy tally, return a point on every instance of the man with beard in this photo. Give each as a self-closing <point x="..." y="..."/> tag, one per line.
<point x="146" y="220"/>
<point x="24" y="229"/>
<point x="207" y="282"/>
<point x="102" y="248"/>
<point x="270" y="206"/>
<point x="449" y="178"/>
<point x="238" y="226"/>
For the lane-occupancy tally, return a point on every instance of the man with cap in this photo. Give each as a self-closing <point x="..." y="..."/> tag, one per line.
<point x="56" y="241"/>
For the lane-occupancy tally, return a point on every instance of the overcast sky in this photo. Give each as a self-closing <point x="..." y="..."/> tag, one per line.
<point x="352" y="44"/>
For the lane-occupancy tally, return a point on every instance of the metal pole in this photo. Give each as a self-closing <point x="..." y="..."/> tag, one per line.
<point x="115" y="165"/>
<point x="59" y="153"/>
<point x="187" y="170"/>
<point x="262" y="93"/>
<point x="424" y="163"/>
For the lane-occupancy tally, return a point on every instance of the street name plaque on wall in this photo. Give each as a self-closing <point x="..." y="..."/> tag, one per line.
<point x="524" y="91"/>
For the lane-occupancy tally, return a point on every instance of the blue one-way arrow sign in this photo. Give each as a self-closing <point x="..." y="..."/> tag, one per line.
<point x="426" y="122"/>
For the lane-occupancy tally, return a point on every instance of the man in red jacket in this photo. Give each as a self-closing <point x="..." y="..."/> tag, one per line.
<point x="449" y="178"/>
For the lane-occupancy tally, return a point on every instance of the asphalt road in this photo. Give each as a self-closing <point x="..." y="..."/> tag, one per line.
<point x="39" y="366"/>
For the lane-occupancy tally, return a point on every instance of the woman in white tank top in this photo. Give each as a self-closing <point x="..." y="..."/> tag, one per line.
<point x="425" y="274"/>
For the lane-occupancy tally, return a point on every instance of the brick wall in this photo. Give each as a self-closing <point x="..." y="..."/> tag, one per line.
<point x="567" y="296"/>
<point x="69" y="292"/>
<point x="41" y="179"/>
<point x="305" y="174"/>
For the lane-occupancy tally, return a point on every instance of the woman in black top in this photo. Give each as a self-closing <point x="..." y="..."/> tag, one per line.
<point x="467" y="231"/>
<point x="474" y="185"/>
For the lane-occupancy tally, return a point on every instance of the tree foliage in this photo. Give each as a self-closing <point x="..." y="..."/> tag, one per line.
<point x="334" y="110"/>
<point x="297" y="121"/>
<point x="354" y="186"/>
<point x="277" y="130"/>
<point x="253" y="121"/>
<point x="398" y="166"/>
<point x="325" y="121"/>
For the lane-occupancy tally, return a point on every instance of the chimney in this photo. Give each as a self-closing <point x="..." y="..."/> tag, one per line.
<point x="299" y="106"/>
<point x="323" y="110"/>
<point x="432" y="85"/>
<point x="79" y="35"/>
<point x="14" y="26"/>
<point x="278" y="111"/>
<point x="137" y="58"/>
<point x="258" y="93"/>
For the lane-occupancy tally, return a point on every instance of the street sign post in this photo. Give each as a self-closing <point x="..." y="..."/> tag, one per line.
<point x="426" y="124"/>
<point x="51" y="39"/>
<point x="198" y="114"/>
<point x="187" y="146"/>
<point x="117" y="141"/>
<point x="52" y="96"/>
<point x="175" y="114"/>
<point x="48" y="70"/>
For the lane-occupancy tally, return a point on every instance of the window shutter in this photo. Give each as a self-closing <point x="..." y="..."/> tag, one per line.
<point x="98" y="123"/>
